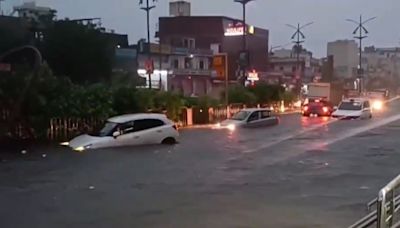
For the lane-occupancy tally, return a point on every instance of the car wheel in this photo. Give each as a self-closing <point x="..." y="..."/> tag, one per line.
<point x="168" y="141"/>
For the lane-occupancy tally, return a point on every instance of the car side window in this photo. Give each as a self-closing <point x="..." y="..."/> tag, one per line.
<point x="127" y="127"/>
<point x="265" y="114"/>
<point x="254" y="116"/>
<point x="145" y="124"/>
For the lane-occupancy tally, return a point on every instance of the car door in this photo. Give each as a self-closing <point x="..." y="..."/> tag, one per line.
<point x="253" y="120"/>
<point x="267" y="119"/>
<point x="150" y="131"/>
<point x="128" y="135"/>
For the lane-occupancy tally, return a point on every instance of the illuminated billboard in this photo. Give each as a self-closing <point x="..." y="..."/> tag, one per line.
<point x="237" y="29"/>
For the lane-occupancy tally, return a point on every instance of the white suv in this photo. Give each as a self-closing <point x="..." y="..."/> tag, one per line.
<point x="353" y="109"/>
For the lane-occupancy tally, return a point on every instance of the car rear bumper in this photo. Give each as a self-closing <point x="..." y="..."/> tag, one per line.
<point x="345" y="117"/>
<point x="318" y="113"/>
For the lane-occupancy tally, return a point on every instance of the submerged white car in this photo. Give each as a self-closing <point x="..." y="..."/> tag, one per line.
<point x="353" y="109"/>
<point x="250" y="118"/>
<point x="129" y="130"/>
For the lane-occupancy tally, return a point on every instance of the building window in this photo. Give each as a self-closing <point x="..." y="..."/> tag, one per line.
<point x="281" y="68"/>
<point x="188" y="63"/>
<point x="201" y="65"/>
<point x="176" y="63"/>
<point x="165" y="59"/>
<point x="191" y="44"/>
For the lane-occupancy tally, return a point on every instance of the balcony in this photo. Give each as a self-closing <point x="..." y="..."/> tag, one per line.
<point x="191" y="72"/>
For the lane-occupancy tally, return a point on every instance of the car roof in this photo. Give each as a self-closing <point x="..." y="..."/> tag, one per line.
<point x="256" y="109"/>
<point x="359" y="99"/>
<point x="137" y="116"/>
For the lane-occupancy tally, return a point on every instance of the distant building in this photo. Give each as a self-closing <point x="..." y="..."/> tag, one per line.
<point x="345" y="57"/>
<point x="34" y="13"/>
<point x="284" y="61"/>
<point x="182" y="70"/>
<point x="179" y="8"/>
<point x="219" y="34"/>
<point x="382" y="63"/>
<point x="291" y="53"/>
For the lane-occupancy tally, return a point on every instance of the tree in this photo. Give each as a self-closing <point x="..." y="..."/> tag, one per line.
<point x="80" y="52"/>
<point x="267" y="93"/>
<point x="14" y="36"/>
<point x="239" y="94"/>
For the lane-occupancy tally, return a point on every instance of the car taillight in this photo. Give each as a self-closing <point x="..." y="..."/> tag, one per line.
<point x="325" y="109"/>
<point x="305" y="108"/>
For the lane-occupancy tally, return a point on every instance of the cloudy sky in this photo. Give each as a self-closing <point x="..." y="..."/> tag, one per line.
<point x="329" y="16"/>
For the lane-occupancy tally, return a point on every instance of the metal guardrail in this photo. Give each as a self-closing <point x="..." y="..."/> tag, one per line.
<point x="388" y="204"/>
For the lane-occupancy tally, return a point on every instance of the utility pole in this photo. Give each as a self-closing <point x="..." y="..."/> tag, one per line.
<point x="360" y="29"/>
<point x="298" y="38"/>
<point x="148" y="8"/>
<point x="244" y="39"/>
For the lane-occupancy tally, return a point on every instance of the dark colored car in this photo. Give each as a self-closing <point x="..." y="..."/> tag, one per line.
<point x="319" y="108"/>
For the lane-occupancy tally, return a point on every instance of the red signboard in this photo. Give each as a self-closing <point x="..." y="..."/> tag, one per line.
<point x="149" y="66"/>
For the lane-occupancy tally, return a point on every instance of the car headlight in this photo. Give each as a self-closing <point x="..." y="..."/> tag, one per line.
<point x="82" y="148"/>
<point x="231" y="127"/>
<point x="377" y="105"/>
<point x="64" y="144"/>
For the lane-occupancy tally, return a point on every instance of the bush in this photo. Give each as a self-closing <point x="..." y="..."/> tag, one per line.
<point x="266" y="94"/>
<point x="239" y="94"/>
<point x="170" y="102"/>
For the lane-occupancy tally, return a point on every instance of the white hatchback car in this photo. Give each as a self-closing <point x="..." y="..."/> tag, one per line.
<point x="129" y="130"/>
<point x="353" y="109"/>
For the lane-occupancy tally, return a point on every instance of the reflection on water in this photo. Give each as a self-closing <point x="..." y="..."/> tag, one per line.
<point x="307" y="122"/>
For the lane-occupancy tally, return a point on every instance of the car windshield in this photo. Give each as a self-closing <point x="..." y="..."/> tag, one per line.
<point x="107" y="130"/>
<point x="242" y="115"/>
<point x="351" y="106"/>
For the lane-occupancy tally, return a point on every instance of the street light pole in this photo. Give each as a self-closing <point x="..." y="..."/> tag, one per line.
<point x="361" y="30"/>
<point x="148" y="8"/>
<point x="244" y="36"/>
<point x="299" y="36"/>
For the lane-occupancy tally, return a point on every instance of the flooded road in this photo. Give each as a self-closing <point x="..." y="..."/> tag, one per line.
<point x="306" y="172"/>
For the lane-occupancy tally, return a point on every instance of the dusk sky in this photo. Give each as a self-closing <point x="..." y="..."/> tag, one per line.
<point x="124" y="16"/>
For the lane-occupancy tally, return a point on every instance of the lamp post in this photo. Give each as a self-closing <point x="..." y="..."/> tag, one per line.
<point x="298" y="38"/>
<point x="147" y="7"/>
<point x="361" y="30"/>
<point x="244" y="40"/>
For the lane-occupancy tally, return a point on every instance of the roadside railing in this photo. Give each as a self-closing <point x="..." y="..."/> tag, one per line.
<point x="387" y="207"/>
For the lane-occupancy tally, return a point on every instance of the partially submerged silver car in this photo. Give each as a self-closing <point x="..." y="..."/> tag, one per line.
<point x="250" y="118"/>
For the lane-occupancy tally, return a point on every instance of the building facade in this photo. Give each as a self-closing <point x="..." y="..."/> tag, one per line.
<point x="33" y="13"/>
<point x="382" y="63"/>
<point x="220" y="34"/>
<point x="345" y="57"/>
<point x="181" y="70"/>
<point x="285" y="63"/>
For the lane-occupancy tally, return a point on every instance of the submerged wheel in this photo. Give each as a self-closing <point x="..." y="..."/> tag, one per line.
<point x="169" y="141"/>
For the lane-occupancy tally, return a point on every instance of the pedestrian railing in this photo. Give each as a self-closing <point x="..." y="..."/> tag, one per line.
<point x="387" y="207"/>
